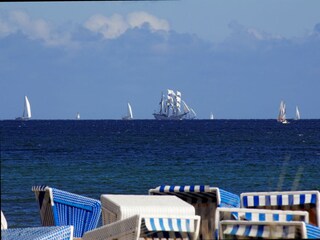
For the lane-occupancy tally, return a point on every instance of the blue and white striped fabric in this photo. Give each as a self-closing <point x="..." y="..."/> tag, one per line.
<point x="264" y="229"/>
<point x="313" y="232"/>
<point x="169" y="224"/>
<point x="278" y="199"/>
<point x="60" y="208"/>
<point x="199" y="194"/>
<point x="38" y="233"/>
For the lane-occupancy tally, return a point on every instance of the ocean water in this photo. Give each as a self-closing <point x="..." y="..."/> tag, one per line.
<point x="94" y="157"/>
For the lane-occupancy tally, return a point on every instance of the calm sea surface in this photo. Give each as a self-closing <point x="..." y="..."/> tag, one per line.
<point x="91" y="158"/>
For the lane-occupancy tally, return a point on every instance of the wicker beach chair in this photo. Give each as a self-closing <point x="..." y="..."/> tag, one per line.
<point x="262" y="215"/>
<point x="147" y="227"/>
<point x="59" y="208"/>
<point x="289" y="200"/>
<point x="4" y="224"/>
<point x="205" y="199"/>
<point x="231" y="229"/>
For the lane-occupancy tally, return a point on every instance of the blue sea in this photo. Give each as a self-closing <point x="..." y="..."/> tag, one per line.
<point x="94" y="157"/>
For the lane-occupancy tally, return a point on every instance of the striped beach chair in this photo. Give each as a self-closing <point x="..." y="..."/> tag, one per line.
<point x="289" y="200"/>
<point x="262" y="215"/>
<point x="230" y="229"/>
<point x="59" y="208"/>
<point x="38" y="233"/>
<point x="205" y="200"/>
<point x="147" y="227"/>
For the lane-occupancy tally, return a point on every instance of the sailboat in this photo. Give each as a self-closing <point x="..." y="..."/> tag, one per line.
<point x="211" y="116"/>
<point x="26" y="111"/>
<point x="129" y="115"/>
<point x="282" y="113"/>
<point x="297" y="113"/>
<point x="172" y="107"/>
<point x="78" y="116"/>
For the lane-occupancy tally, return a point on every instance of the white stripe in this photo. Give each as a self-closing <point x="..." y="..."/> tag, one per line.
<point x="166" y="188"/>
<point x="273" y="200"/>
<point x="187" y="188"/>
<point x="197" y="188"/>
<point x="176" y="188"/>
<point x="148" y="224"/>
<point x="183" y="225"/>
<point x="241" y="230"/>
<point x="250" y="201"/>
<point x="296" y="199"/>
<point x="157" y="224"/>
<point x="291" y="232"/>
<point x="269" y="217"/>
<point x="255" y="216"/>
<point x="166" y="224"/>
<point x="282" y="217"/>
<point x="285" y="200"/>
<point x="228" y="229"/>
<point x="266" y="232"/>
<point x="308" y="198"/>
<point x="253" y="231"/>
<point x="262" y="200"/>
<point x="175" y="225"/>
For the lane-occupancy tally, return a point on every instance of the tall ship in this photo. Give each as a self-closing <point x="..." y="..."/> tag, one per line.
<point x="172" y="107"/>
<point x="26" y="111"/>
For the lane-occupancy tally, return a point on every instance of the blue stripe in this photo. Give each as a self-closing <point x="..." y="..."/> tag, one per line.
<point x="191" y="188"/>
<point x="171" y="189"/>
<point x="188" y="225"/>
<point x="279" y="200"/>
<point x="170" y="224"/>
<point x="234" y="230"/>
<point x="153" y="226"/>
<point x="162" y="188"/>
<point x="260" y="230"/>
<point x="181" y="189"/>
<point x="313" y="198"/>
<point x="262" y="216"/>
<point x="289" y="217"/>
<point x="179" y="224"/>
<point x="161" y="224"/>
<point x="202" y="188"/>
<point x="290" y="200"/>
<point x="245" y="201"/>
<point x="247" y="231"/>
<point x="255" y="201"/>
<point x="248" y="216"/>
<point x="302" y="198"/>
<point x="268" y="200"/>
<point x="235" y="215"/>
<point x="276" y="217"/>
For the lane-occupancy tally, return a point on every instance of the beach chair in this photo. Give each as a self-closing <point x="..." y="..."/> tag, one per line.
<point x="147" y="227"/>
<point x="290" y="200"/>
<point x="59" y="208"/>
<point x="35" y="233"/>
<point x="205" y="200"/>
<point x="230" y="229"/>
<point x="4" y="224"/>
<point x="262" y="215"/>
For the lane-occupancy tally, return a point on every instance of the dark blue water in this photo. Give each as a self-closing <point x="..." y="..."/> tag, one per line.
<point x="130" y="157"/>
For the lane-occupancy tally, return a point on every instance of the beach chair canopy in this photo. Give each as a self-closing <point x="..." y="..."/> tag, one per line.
<point x="205" y="199"/>
<point x="4" y="224"/>
<point x="38" y="233"/>
<point x="199" y="194"/>
<point x="263" y="230"/>
<point x="262" y="215"/>
<point x="117" y="207"/>
<point x="293" y="200"/>
<point x="140" y="226"/>
<point x="59" y="208"/>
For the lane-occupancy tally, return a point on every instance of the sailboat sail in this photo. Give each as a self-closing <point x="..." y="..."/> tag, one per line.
<point x="282" y="113"/>
<point x="26" y="111"/>
<point x="78" y="116"/>
<point x="129" y="115"/>
<point x="172" y="107"/>
<point x="297" y="113"/>
<point x="211" y="116"/>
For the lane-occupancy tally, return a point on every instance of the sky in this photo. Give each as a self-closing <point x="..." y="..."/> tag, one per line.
<point x="236" y="59"/>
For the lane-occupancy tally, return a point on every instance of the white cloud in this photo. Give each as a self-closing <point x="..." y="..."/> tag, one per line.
<point x="114" y="26"/>
<point x="35" y="29"/>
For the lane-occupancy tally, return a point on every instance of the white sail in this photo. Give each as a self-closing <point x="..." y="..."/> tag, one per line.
<point x="129" y="115"/>
<point x="78" y="116"/>
<point x="297" y="113"/>
<point x="282" y="113"/>
<point x="211" y="116"/>
<point x="27" y="108"/>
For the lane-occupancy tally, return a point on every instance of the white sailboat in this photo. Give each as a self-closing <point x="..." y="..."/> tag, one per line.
<point x="297" y="113"/>
<point x="282" y="113"/>
<point x="211" y="116"/>
<point x="26" y="111"/>
<point x="129" y="115"/>
<point x="78" y="116"/>
<point x="171" y="107"/>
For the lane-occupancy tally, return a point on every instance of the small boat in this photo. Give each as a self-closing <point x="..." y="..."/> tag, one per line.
<point x="282" y="113"/>
<point x="129" y="115"/>
<point x="26" y="111"/>
<point x="211" y="116"/>
<point x="297" y="113"/>
<point x="172" y="107"/>
<point x="78" y="116"/>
